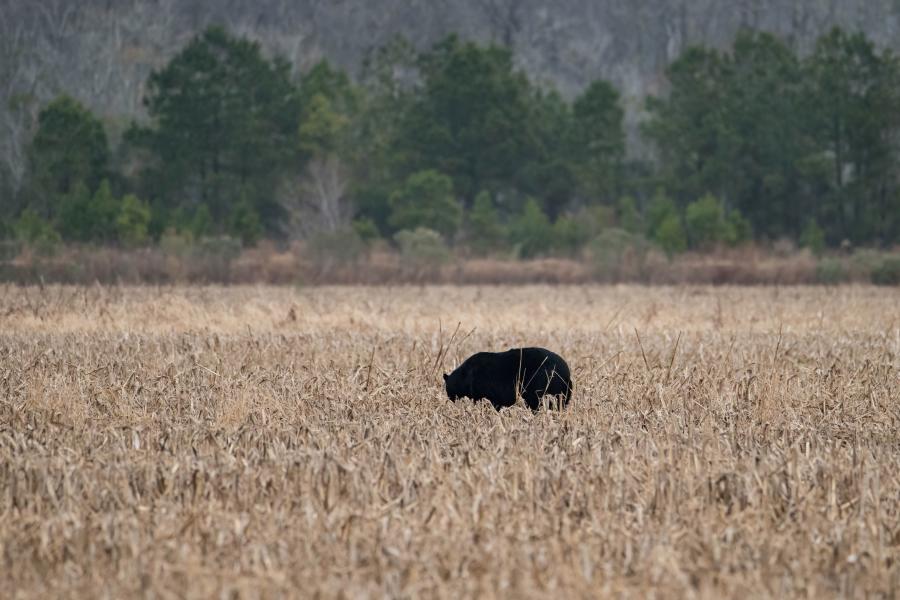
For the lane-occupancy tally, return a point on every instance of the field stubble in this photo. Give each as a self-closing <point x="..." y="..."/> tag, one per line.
<point x="171" y="442"/>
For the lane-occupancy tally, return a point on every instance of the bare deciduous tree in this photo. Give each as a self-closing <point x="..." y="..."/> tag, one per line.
<point x="505" y="17"/>
<point x="318" y="201"/>
<point x="19" y="74"/>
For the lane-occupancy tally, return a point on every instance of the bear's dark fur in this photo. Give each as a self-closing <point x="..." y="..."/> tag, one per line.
<point x="502" y="376"/>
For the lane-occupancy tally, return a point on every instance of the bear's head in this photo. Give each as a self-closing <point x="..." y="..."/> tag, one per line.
<point x="459" y="383"/>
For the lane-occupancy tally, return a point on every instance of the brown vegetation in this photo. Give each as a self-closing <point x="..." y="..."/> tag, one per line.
<point x="221" y="263"/>
<point x="205" y="442"/>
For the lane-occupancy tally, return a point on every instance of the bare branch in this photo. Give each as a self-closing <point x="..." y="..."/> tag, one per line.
<point x="317" y="202"/>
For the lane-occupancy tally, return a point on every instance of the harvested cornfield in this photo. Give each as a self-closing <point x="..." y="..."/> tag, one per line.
<point x="271" y="442"/>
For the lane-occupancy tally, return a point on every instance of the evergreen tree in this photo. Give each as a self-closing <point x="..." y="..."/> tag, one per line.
<point x="855" y="93"/>
<point x="426" y="200"/>
<point x="85" y="218"/>
<point x="599" y="140"/>
<point x="531" y="231"/>
<point x="705" y="221"/>
<point x="329" y="104"/>
<point x="549" y="175"/>
<point x="389" y="77"/>
<point x="628" y="216"/>
<point x="223" y="121"/>
<point x="689" y="126"/>
<point x="485" y="231"/>
<point x="133" y="221"/>
<point x="471" y="120"/>
<point x="768" y="129"/>
<point x="69" y="149"/>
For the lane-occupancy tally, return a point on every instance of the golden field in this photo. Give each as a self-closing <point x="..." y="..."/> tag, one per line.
<point x="290" y="442"/>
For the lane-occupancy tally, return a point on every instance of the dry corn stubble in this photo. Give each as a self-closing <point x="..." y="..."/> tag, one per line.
<point x="203" y="442"/>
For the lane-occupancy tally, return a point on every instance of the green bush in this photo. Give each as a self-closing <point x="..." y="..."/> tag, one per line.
<point x="670" y="235"/>
<point x="664" y="224"/>
<point x="342" y="246"/>
<point x="831" y="271"/>
<point x="9" y="250"/>
<point x="705" y="222"/>
<point x="628" y="216"/>
<point x="531" y="233"/>
<point x="201" y="223"/>
<point x="864" y="262"/>
<point x="737" y="229"/>
<point x="570" y="234"/>
<point x="422" y="247"/>
<point x="216" y="252"/>
<point x="87" y="218"/>
<point x="615" y="250"/>
<point x="220" y="247"/>
<point x="599" y="217"/>
<point x="366" y="230"/>
<point x="37" y="233"/>
<point x="426" y="200"/>
<point x="887" y="272"/>
<point x="176" y="243"/>
<point x="661" y="208"/>
<point x="485" y="231"/>
<point x="812" y="237"/>
<point x="133" y="221"/>
<point x="245" y="224"/>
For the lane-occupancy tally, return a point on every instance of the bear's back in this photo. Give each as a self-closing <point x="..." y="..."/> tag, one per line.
<point x="530" y="371"/>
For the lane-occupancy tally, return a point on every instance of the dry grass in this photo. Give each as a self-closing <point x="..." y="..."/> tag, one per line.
<point x="260" y="442"/>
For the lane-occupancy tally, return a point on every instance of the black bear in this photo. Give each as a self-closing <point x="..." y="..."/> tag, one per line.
<point x="501" y="377"/>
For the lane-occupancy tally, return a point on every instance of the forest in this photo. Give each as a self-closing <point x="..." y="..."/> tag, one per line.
<point x="455" y="148"/>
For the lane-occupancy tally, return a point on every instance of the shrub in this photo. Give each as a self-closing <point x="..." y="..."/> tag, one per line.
<point x="599" y="218"/>
<point x="485" y="231"/>
<point x="422" y="247"/>
<point x="220" y="247"/>
<point x="887" y="272"/>
<point x="133" y="221"/>
<point x="864" y="262"/>
<point x="426" y="200"/>
<point x="37" y="233"/>
<point x="366" y="230"/>
<point x="210" y="258"/>
<point x="201" y="222"/>
<point x="570" y="234"/>
<point x="628" y="216"/>
<point x="175" y="243"/>
<point x="9" y="250"/>
<point x="670" y="235"/>
<point x="615" y="250"/>
<point x="661" y="208"/>
<point x="737" y="229"/>
<point x="831" y="271"/>
<point x="813" y="237"/>
<point x="245" y="223"/>
<point x="784" y="247"/>
<point x="531" y="233"/>
<point x="86" y="218"/>
<point x="705" y="222"/>
<point x="341" y="246"/>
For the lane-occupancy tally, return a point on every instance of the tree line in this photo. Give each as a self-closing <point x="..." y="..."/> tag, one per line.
<point x="455" y="145"/>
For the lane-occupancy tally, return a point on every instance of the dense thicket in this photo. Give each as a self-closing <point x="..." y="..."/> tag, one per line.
<point x="455" y="146"/>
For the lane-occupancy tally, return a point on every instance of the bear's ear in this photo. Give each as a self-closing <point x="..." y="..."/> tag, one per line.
<point x="446" y="377"/>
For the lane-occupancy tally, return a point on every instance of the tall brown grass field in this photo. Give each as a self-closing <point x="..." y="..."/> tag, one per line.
<point x="260" y="442"/>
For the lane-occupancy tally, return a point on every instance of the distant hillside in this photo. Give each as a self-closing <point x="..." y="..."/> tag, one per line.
<point x="101" y="51"/>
